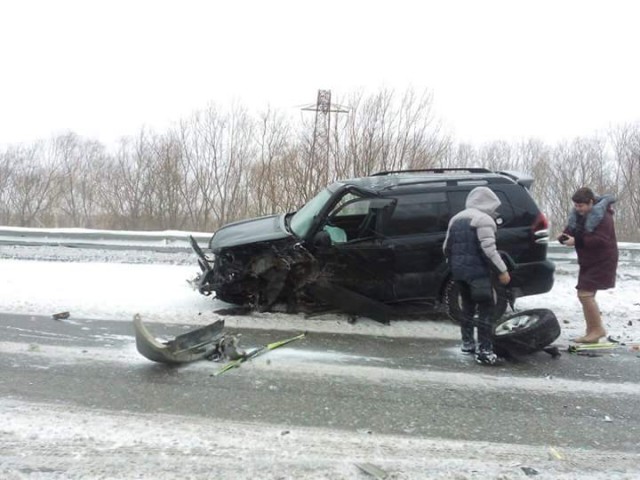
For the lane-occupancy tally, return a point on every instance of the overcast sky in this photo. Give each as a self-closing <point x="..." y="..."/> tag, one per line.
<point x="497" y="69"/>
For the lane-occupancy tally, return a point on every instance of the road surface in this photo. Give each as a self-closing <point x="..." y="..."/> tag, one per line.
<point x="78" y="401"/>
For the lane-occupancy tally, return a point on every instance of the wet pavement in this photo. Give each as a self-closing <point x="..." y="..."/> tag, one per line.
<point x="369" y="384"/>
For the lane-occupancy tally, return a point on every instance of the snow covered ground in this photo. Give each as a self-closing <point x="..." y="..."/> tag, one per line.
<point x="88" y="443"/>
<point x="116" y="284"/>
<point x="94" y="444"/>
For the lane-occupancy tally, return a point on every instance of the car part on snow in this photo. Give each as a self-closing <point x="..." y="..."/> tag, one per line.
<point x="586" y="347"/>
<point x="370" y="469"/>
<point x="525" y="332"/>
<point x="204" y="343"/>
<point x="195" y="345"/>
<point x="258" y="351"/>
<point x="350" y="302"/>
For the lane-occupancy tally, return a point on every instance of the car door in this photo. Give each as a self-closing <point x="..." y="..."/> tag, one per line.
<point x="358" y="258"/>
<point x="416" y="231"/>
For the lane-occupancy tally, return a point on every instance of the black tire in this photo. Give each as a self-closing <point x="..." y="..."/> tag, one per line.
<point x="526" y="332"/>
<point x="453" y="302"/>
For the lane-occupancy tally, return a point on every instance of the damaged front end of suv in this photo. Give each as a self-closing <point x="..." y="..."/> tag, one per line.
<point x="289" y="261"/>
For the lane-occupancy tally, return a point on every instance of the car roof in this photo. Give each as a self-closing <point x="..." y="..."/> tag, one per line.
<point x="438" y="177"/>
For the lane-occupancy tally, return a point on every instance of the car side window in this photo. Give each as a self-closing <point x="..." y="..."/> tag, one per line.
<point x="505" y="210"/>
<point x="418" y="214"/>
<point x="350" y="204"/>
<point x="346" y="219"/>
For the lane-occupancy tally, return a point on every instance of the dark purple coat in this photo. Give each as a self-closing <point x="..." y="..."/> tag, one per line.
<point x="597" y="250"/>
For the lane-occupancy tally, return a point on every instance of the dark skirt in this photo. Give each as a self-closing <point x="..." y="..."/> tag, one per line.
<point x="599" y="276"/>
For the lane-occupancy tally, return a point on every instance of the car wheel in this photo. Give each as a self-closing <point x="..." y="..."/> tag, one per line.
<point x="526" y="332"/>
<point x="453" y="302"/>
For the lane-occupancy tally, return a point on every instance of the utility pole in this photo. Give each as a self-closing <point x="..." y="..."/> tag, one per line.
<point x="320" y="144"/>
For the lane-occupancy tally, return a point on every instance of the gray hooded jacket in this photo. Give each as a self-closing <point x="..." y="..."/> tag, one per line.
<point x="470" y="244"/>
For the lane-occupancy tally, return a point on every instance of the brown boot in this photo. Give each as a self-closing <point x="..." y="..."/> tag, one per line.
<point x="595" y="330"/>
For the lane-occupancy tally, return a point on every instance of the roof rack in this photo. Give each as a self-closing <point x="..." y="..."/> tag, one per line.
<point x="435" y="170"/>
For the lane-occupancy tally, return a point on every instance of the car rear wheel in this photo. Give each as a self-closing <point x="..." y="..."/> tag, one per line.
<point x="453" y="302"/>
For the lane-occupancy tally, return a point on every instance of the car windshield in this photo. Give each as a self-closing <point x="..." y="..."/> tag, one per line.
<point x="301" y="221"/>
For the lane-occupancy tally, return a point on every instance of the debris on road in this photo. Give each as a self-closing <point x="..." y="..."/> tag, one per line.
<point x="529" y="472"/>
<point x="195" y="345"/>
<point x="372" y="470"/>
<point x="258" y="351"/>
<point x="61" y="315"/>
<point x="204" y="343"/>
<point x="555" y="454"/>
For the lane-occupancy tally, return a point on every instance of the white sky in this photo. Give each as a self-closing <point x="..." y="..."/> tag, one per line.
<point x="498" y="69"/>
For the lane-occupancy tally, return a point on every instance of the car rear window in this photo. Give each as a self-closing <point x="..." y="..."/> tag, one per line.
<point x="512" y="214"/>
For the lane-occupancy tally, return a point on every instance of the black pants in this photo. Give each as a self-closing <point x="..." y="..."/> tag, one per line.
<point x="484" y="322"/>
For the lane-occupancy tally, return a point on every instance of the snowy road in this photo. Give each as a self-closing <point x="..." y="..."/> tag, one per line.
<point x="83" y="403"/>
<point x="77" y="400"/>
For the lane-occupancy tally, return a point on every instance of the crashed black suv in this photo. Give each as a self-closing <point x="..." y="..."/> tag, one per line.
<point x="369" y="246"/>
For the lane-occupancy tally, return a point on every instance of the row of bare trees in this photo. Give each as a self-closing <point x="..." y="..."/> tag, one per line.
<point x="221" y="165"/>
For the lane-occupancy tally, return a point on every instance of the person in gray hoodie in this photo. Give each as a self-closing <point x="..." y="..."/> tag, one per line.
<point x="470" y="249"/>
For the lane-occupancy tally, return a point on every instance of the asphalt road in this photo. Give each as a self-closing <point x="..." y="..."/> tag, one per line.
<point x="412" y="387"/>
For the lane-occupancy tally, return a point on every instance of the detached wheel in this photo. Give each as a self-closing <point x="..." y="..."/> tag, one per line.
<point x="526" y="332"/>
<point x="453" y="302"/>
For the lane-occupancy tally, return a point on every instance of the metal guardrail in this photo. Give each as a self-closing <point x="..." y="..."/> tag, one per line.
<point x="178" y="241"/>
<point x="629" y="253"/>
<point x="162" y="241"/>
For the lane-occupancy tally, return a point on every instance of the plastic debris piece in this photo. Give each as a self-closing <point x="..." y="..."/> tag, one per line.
<point x="607" y="418"/>
<point x="555" y="454"/>
<point x="372" y="470"/>
<point x="529" y="472"/>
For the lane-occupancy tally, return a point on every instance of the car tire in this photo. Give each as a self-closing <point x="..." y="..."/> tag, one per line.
<point x="453" y="302"/>
<point x="525" y="332"/>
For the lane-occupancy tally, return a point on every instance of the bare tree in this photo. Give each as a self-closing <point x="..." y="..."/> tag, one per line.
<point x="81" y="163"/>
<point x="169" y="188"/>
<point x="127" y="186"/>
<point x="626" y="144"/>
<point x="384" y="132"/>
<point x="7" y="167"/>
<point x="31" y="191"/>
<point x="217" y="149"/>
<point x="269" y="187"/>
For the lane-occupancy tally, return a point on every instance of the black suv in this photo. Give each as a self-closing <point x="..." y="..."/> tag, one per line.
<point x="370" y="245"/>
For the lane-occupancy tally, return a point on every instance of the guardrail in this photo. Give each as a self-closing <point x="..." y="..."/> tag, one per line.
<point x="178" y="241"/>
<point x="162" y="241"/>
<point x="629" y="253"/>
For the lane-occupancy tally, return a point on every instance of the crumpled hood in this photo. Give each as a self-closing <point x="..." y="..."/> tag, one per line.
<point x="253" y="230"/>
<point x="483" y="199"/>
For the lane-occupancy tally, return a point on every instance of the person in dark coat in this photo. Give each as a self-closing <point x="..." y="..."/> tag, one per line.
<point x="470" y="249"/>
<point x="590" y="229"/>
